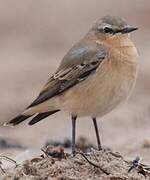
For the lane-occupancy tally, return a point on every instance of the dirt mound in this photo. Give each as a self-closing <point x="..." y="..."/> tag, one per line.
<point x="55" y="164"/>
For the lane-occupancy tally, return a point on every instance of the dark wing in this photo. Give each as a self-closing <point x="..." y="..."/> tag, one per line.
<point x="76" y="66"/>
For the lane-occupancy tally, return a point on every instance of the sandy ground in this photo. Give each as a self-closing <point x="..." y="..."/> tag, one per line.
<point x="103" y="165"/>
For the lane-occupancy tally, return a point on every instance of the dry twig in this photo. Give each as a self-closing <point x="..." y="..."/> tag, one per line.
<point x="141" y="168"/>
<point x="6" y="159"/>
<point x="93" y="164"/>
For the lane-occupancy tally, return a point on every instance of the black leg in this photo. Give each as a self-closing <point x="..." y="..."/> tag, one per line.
<point x="97" y="134"/>
<point x="73" y="133"/>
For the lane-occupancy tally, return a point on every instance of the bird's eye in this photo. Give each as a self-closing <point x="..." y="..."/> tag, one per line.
<point x="108" y="30"/>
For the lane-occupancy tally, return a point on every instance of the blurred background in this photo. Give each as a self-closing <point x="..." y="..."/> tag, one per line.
<point x="34" y="37"/>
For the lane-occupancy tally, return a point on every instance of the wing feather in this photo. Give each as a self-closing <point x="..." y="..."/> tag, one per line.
<point x="68" y="76"/>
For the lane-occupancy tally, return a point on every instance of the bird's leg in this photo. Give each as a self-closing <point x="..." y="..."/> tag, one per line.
<point x="97" y="134"/>
<point x="73" y="133"/>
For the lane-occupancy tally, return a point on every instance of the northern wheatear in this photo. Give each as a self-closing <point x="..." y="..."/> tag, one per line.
<point x="95" y="76"/>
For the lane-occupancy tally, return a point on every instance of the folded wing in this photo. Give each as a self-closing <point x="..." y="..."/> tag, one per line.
<point x="82" y="63"/>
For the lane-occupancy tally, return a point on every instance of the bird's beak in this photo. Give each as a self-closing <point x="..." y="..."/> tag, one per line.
<point x="128" y="29"/>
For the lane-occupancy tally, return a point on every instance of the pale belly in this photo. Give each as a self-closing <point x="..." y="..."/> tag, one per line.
<point x="99" y="94"/>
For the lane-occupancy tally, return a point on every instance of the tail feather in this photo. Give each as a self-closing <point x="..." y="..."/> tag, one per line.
<point x="41" y="116"/>
<point x="17" y="120"/>
<point x="20" y="118"/>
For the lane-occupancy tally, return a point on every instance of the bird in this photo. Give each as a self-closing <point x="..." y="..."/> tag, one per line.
<point x="95" y="76"/>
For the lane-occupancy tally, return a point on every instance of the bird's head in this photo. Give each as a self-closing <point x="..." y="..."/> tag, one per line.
<point x="111" y="27"/>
